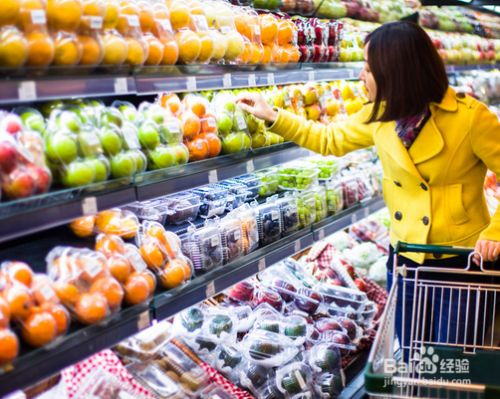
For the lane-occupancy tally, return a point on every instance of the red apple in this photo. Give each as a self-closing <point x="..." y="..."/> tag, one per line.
<point x="336" y="281"/>
<point x="350" y="271"/>
<point x="8" y="157"/>
<point x="19" y="184"/>
<point x="42" y="178"/>
<point x="360" y="284"/>
<point x="11" y="124"/>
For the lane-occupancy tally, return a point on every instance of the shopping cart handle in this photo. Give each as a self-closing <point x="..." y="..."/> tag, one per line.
<point x="432" y="249"/>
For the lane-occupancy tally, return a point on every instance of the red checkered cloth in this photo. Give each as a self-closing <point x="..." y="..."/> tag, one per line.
<point x="221" y="381"/>
<point x="107" y="361"/>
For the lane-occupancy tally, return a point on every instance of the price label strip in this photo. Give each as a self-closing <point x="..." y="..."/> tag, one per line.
<point x="261" y="266"/>
<point x="212" y="176"/>
<point x="191" y="83"/>
<point x="27" y="91"/>
<point x="321" y="234"/>
<point x="227" y="81"/>
<point x="311" y="76"/>
<point x="250" y="166"/>
<point x="89" y="206"/>
<point x="297" y="247"/>
<point x="144" y="320"/>
<point x="252" y="81"/>
<point x="210" y="291"/>
<point x="121" y="86"/>
<point x="270" y="79"/>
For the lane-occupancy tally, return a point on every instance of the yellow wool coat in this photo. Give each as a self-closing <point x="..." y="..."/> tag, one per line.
<point x="434" y="190"/>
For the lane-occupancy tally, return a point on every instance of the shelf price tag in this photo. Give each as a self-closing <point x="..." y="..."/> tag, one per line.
<point x="311" y="76"/>
<point x="261" y="266"/>
<point x="210" y="292"/>
<point x="144" y="320"/>
<point x="321" y="234"/>
<point x="27" y="91"/>
<point x="191" y="83"/>
<point x="121" y="86"/>
<point x="227" y="81"/>
<point x="270" y="79"/>
<point x="250" y="166"/>
<point x="212" y="176"/>
<point x="367" y="212"/>
<point x="354" y="218"/>
<point x="297" y="247"/>
<point x="252" y="81"/>
<point x="89" y="206"/>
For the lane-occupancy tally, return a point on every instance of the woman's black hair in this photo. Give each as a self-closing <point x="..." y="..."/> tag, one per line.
<point x="407" y="69"/>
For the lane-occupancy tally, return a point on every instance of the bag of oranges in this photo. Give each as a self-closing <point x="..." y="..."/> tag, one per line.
<point x="125" y="264"/>
<point x="161" y="250"/>
<point x="83" y="283"/>
<point x="112" y="221"/>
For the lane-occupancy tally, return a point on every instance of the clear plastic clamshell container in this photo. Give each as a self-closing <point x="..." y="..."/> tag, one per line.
<point x="252" y="182"/>
<point x="147" y="210"/>
<point x="334" y="196"/>
<point x="213" y="200"/>
<point x="232" y="238"/>
<point x="204" y="247"/>
<point x="342" y="296"/>
<point x="306" y="202"/>
<point x="238" y="193"/>
<point x="289" y="209"/>
<point x="267" y="348"/>
<point x="269" y="223"/>
<point x="297" y="175"/>
<point x="180" y="208"/>
<point x="145" y="345"/>
<point x="155" y="380"/>
<point x="328" y="167"/>
<point x="269" y="181"/>
<point x="321" y="202"/>
<point x="294" y="379"/>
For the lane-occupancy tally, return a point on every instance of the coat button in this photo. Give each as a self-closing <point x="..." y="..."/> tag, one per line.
<point x="397" y="183"/>
<point x="398" y="215"/>
<point x="425" y="220"/>
<point x="423" y="187"/>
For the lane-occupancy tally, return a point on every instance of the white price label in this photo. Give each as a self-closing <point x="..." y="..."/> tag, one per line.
<point x="95" y="22"/>
<point x="93" y="268"/>
<point x="165" y="24"/>
<point x="38" y="17"/>
<point x="275" y="215"/>
<point x="136" y="260"/>
<point x="354" y="218"/>
<point x="256" y="30"/>
<point x="252" y="81"/>
<point x="297" y="247"/>
<point x="367" y="212"/>
<point x="227" y="81"/>
<point x="210" y="291"/>
<point x="311" y="76"/>
<point x="240" y="122"/>
<point x="130" y="137"/>
<point x="321" y="234"/>
<point x="262" y="264"/>
<point x="133" y="21"/>
<point x="121" y="86"/>
<point x="237" y="235"/>
<point x="200" y="22"/>
<point x="226" y="29"/>
<point x="27" y="91"/>
<point x="214" y="241"/>
<point x="144" y="320"/>
<point x="300" y="380"/>
<point x="250" y="166"/>
<point x="173" y="126"/>
<point x="89" y="206"/>
<point x="191" y="83"/>
<point x="47" y="292"/>
<point x="212" y="176"/>
<point x="270" y="79"/>
<point x="211" y="122"/>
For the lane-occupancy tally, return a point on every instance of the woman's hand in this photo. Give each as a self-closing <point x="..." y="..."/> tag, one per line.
<point x="489" y="250"/>
<point x="255" y="104"/>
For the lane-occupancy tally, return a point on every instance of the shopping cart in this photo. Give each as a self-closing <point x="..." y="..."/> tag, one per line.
<point x="442" y="342"/>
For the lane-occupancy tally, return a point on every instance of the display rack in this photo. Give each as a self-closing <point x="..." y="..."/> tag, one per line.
<point x="81" y="342"/>
<point x="151" y="80"/>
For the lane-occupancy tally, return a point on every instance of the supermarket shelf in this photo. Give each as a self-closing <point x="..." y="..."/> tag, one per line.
<point x="35" y="365"/>
<point x="31" y="215"/>
<point x="185" y="78"/>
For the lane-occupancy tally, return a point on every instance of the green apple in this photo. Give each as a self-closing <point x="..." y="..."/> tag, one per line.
<point x="259" y="140"/>
<point x="156" y="113"/>
<point x="100" y="168"/>
<point x="229" y="107"/>
<point x="122" y="165"/>
<point x="140" y="159"/>
<point x="62" y="148"/>
<point x="149" y="136"/>
<point x="253" y="123"/>
<point x="224" y="123"/>
<point x="33" y="120"/>
<point x="78" y="173"/>
<point x="111" y="116"/>
<point x="69" y="120"/>
<point x="171" y="131"/>
<point x="110" y="140"/>
<point x="163" y="157"/>
<point x="235" y="142"/>
<point x="89" y="143"/>
<point x="181" y="154"/>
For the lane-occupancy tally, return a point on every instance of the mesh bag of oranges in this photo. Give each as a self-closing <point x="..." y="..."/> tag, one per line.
<point x="250" y="231"/>
<point x="90" y="32"/>
<point x="161" y="250"/>
<point x="129" y="26"/>
<point x="83" y="283"/>
<point x="112" y="221"/>
<point x="125" y="264"/>
<point x="29" y="301"/>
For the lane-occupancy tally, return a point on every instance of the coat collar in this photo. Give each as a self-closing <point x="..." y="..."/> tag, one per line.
<point x="449" y="101"/>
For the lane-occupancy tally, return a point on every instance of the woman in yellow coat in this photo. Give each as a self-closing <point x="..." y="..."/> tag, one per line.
<point x="435" y="145"/>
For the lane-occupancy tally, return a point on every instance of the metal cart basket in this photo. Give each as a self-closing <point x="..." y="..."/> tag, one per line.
<point x="437" y="336"/>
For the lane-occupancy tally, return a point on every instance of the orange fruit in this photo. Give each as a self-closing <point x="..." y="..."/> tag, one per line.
<point x="60" y="315"/>
<point x="286" y="30"/>
<point x="136" y="289"/>
<point x="4" y="314"/>
<point x="152" y="254"/>
<point x="137" y="52"/>
<point x="19" y="299"/>
<point x="179" y="15"/>
<point x="42" y="289"/>
<point x="173" y="274"/>
<point x="171" y="102"/>
<point x="170" y="52"/>
<point x="115" y="49"/>
<point x="246" y="55"/>
<point x="207" y="47"/>
<point x="189" y="46"/>
<point x="111" y="289"/>
<point x="208" y="124"/>
<point x="173" y="243"/>
<point x="9" y="346"/>
<point x="41" y="49"/>
<point x="256" y="52"/>
<point x="119" y="267"/>
<point x="83" y="227"/>
<point x="198" y="149"/>
<point x="92" y="50"/>
<point x="191" y="125"/>
<point x="293" y="52"/>
<point x="111" y="14"/>
<point x="129" y="227"/>
<point x="39" y="328"/>
<point x="266" y="54"/>
<point x="155" y="54"/>
<point x="186" y="266"/>
<point x="214" y="144"/>
<point x="25" y="22"/>
<point x="197" y="106"/>
<point x="91" y="308"/>
<point x="92" y="269"/>
<point x="107" y="217"/>
<point x="268" y="29"/>
<point x="13" y="48"/>
<point x="150" y="278"/>
<point x="68" y="293"/>
<point x="9" y="12"/>
<point x="108" y="244"/>
<point x="19" y="271"/>
<point x="146" y="19"/>
<point x="124" y="26"/>
<point x="91" y="8"/>
<point x="68" y="50"/>
<point x="64" y="15"/>
<point x="243" y="26"/>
